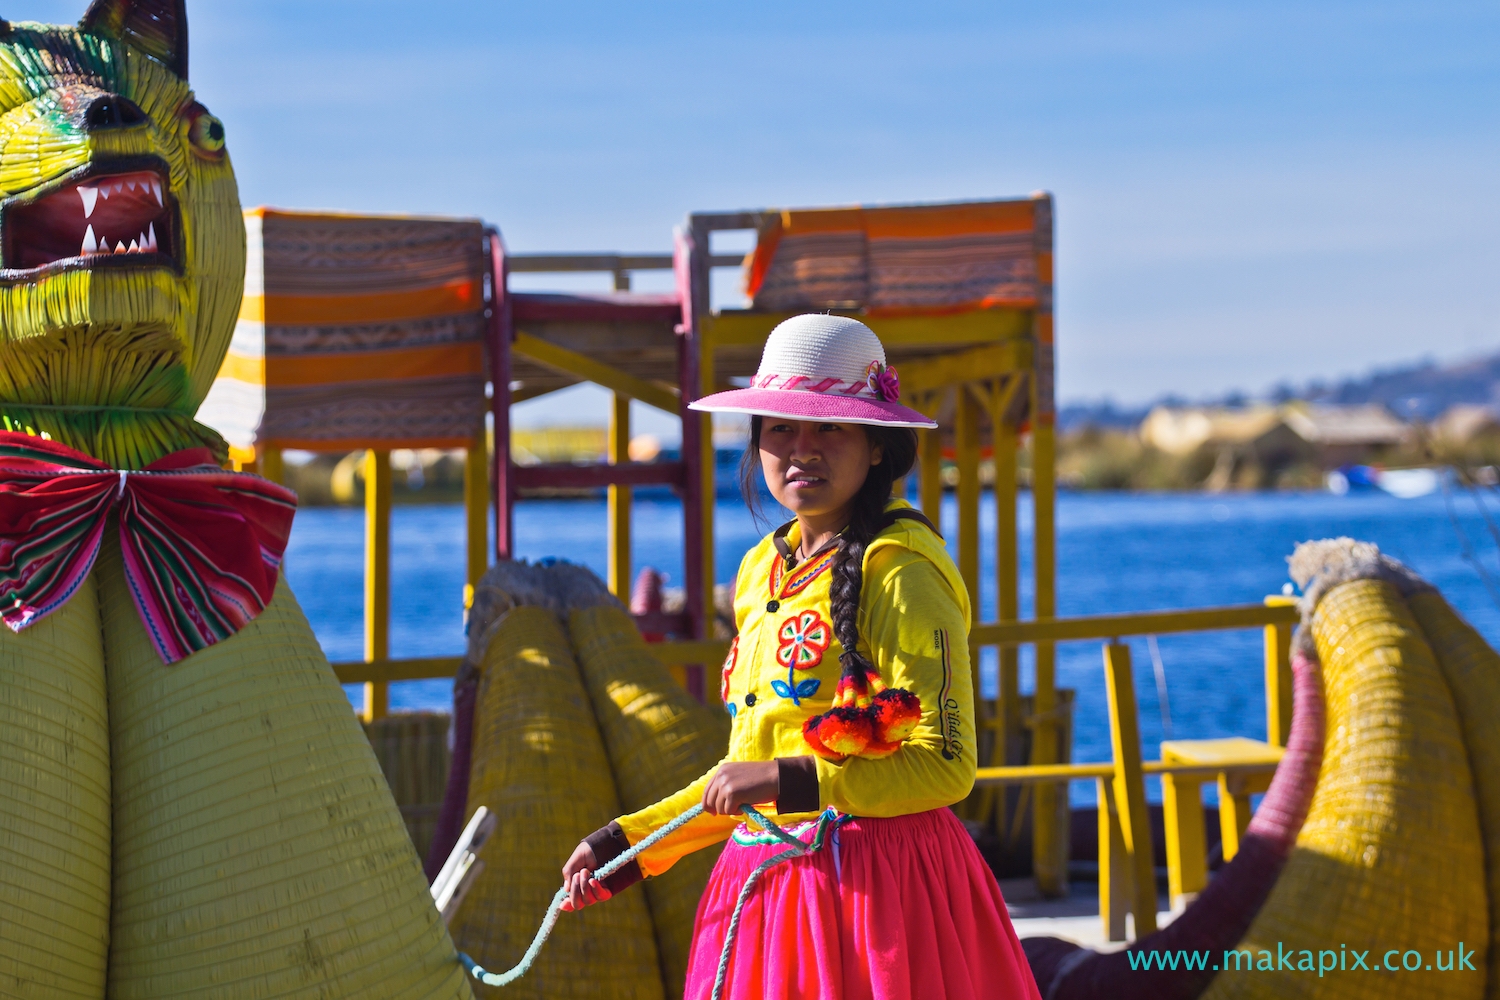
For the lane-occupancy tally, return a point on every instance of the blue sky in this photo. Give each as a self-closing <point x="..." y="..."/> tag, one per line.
<point x="1246" y="192"/>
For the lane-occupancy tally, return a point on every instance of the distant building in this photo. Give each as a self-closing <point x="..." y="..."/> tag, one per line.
<point x="1274" y="437"/>
<point x="1182" y="430"/>
<point x="1345" y="434"/>
<point x="1463" y="423"/>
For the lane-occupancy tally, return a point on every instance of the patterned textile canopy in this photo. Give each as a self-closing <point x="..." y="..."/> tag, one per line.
<point x="905" y="262"/>
<point x="355" y="332"/>
<point x="917" y="259"/>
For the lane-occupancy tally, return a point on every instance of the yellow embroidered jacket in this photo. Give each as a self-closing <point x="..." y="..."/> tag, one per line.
<point x="784" y="666"/>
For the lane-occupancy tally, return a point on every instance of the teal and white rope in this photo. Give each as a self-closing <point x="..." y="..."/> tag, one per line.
<point x="795" y="849"/>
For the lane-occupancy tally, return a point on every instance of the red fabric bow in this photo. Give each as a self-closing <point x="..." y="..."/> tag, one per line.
<point x="202" y="546"/>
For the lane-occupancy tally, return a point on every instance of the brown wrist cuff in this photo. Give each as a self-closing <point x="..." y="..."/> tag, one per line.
<point x="799" y="785"/>
<point x="607" y="844"/>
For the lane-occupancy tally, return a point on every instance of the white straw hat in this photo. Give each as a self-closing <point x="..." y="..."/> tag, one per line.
<point x="821" y="367"/>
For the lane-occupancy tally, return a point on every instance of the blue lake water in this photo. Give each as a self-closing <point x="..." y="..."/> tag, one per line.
<point x="1116" y="552"/>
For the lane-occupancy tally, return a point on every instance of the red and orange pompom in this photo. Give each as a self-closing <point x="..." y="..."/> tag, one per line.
<point x="867" y="719"/>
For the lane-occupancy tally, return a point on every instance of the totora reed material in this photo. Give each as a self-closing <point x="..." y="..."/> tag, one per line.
<point x="257" y="850"/>
<point x="539" y="764"/>
<point x="659" y="739"/>
<point x="1390" y="854"/>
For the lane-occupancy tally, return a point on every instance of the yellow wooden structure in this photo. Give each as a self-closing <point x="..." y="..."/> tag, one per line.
<point x="360" y="332"/>
<point x="1127" y="880"/>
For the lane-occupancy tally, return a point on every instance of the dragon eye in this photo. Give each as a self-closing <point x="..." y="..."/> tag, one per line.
<point x="205" y="132"/>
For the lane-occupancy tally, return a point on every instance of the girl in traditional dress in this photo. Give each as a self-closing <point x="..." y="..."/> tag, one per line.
<point x="853" y="712"/>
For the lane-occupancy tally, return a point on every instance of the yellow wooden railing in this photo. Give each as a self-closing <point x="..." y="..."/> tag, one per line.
<point x="1127" y="880"/>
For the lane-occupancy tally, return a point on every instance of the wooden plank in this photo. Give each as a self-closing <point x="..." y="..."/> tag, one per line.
<point x="1278" y="645"/>
<point x="270" y="463"/>
<point x="1130" y="785"/>
<point x="697" y="651"/>
<point x="1028" y="774"/>
<point x="562" y="475"/>
<point x="662" y="623"/>
<point x="1033" y="774"/>
<point x="1114" y="865"/>
<point x="1007" y="569"/>
<point x="747" y="328"/>
<point x="386" y="671"/>
<point x="930" y="455"/>
<point x="476" y="514"/>
<point x="377" y="575"/>
<point x="499" y="332"/>
<point x="966" y="449"/>
<point x="1049" y="840"/>
<point x="586" y="368"/>
<point x="1234" y="816"/>
<point x="1187" y="849"/>
<point x="600" y="307"/>
<point x="695" y="377"/>
<point x="562" y="263"/>
<point x="714" y="221"/>
<point x="989" y="361"/>
<point x="1138" y="623"/>
<point x="619" y="500"/>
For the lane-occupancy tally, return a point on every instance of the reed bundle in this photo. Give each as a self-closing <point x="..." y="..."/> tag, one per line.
<point x="1472" y="669"/>
<point x="539" y="764"/>
<point x="412" y="748"/>
<point x="54" y="805"/>
<point x="257" y="850"/>
<point x="659" y="739"/>
<point x="1390" y="854"/>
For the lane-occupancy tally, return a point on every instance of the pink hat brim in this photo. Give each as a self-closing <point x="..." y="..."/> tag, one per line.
<point x="794" y="405"/>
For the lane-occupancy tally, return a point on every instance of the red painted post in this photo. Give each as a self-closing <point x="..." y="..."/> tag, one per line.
<point x="501" y="332"/>
<point x="690" y="264"/>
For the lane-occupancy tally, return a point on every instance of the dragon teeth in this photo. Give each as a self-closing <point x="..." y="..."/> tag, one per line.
<point x="90" y="196"/>
<point x="90" y="245"/>
<point x="156" y="190"/>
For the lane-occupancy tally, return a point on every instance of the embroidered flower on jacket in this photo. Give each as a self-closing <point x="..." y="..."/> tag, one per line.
<point x="729" y="661"/>
<point x="804" y="638"/>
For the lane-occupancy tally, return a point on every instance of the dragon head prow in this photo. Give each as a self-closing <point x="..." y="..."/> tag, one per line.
<point x="122" y="246"/>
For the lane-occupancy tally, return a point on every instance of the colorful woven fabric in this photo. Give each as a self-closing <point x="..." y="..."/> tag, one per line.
<point x="355" y="331"/>
<point x="911" y="259"/>
<point x="890" y="909"/>
<point x="202" y="546"/>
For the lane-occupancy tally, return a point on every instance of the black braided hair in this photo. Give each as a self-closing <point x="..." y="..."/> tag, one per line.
<point x="898" y="453"/>
<point x="898" y="447"/>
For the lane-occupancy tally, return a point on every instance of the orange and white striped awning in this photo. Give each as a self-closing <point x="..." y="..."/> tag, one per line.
<point x="355" y="332"/>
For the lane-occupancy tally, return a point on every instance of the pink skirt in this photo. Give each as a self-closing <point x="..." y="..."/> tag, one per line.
<point x="889" y="909"/>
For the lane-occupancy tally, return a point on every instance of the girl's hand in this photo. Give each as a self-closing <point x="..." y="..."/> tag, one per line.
<point x="578" y="876"/>
<point x="741" y="783"/>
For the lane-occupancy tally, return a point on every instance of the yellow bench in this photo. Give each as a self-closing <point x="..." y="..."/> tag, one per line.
<point x="1243" y="767"/>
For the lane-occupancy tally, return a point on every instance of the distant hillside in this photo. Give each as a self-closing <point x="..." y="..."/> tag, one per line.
<point x="1421" y="391"/>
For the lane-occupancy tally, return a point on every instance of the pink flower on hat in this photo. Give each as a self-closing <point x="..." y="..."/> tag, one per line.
<point x="883" y="381"/>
